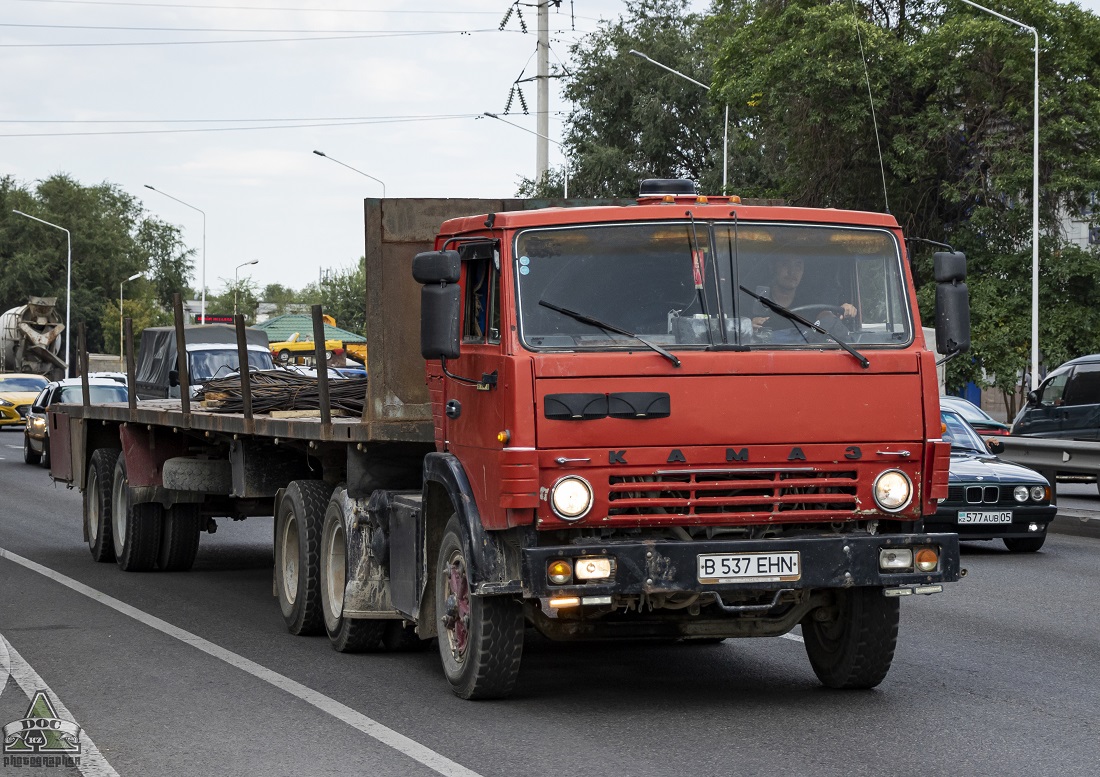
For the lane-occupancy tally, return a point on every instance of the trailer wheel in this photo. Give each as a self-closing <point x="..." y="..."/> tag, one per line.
<point x="854" y="646"/>
<point x="30" y="456"/>
<point x="135" y="528"/>
<point x="297" y="555"/>
<point x="179" y="537"/>
<point x="347" y="635"/>
<point x="480" y="637"/>
<point x="97" y="503"/>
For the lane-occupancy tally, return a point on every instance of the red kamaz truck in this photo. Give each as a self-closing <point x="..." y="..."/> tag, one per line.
<point x="602" y="422"/>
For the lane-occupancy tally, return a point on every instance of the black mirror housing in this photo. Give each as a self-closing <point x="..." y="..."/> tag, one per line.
<point x="439" y="335"/>
<point x="952" y="303"/>
<point x="995" y="446"/>
<point x="437" y="267"/>
<point x="1033" y="397"/>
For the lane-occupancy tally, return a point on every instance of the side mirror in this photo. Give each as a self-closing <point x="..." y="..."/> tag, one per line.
<point x="173" y="378"/>
<point x="440" y="302"/>
<point x="952" y="303"/>
<point x="38" y="409"/>
<point x="995" y="446"/>
<point x="1033" y="397"/>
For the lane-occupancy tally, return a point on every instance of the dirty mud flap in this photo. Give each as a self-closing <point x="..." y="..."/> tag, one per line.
<point x="773" y="564"/>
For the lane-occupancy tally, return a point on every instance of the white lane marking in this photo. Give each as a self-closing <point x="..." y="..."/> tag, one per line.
<point x="793" y="637"/>
<point x="92" y="762"/>
<point x="355" y="719"/>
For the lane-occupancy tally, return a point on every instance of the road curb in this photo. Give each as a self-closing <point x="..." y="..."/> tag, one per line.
<point x="1079" y="523"/>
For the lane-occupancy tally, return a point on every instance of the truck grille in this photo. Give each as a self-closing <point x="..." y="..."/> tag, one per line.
<point x="785" y="494"/>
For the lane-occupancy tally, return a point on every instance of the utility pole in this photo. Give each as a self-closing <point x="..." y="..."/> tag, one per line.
<point x="542" y="110"/>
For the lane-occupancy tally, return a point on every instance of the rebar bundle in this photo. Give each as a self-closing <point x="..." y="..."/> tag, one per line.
<point x="279" y="390"/>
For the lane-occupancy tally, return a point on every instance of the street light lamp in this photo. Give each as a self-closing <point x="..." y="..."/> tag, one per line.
<point x="68" y="279"/>
<point x="202" y="309"/>
<point x="121" y="318"/>
<point x="1034" y="200"/>
<point x="565" y="187"/>
<point x="726" y="131"/>
<point x="239" y="266"/>
<point x="349" y="167"/>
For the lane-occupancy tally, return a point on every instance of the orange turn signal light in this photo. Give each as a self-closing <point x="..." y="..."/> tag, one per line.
<point x="926" y="559"/>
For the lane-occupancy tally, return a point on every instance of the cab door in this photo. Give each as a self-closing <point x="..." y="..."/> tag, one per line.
<point x="1080" y="411"/>
<point x="473" y="390"/>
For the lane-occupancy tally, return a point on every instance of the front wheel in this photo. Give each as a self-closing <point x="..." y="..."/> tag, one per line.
<point x="851" y="643"/>
<point x="1024" y="544"/>
<point x="480" y="637"/>
<point x="30" y="456"/>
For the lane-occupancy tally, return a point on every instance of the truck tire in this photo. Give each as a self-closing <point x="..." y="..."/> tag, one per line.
<point x="179" y="537"/>
<point x="1024" y="544"/>
<point x="29" y="454"/>
<point x="208" y="476"/>
<point x="97" y="503"/>
<point x="298" y="555"/>
<point x="347" y="635"/>
<point x="853" y="649"/>
<point x="480" y="637"/>
<point x="135" y="528"/>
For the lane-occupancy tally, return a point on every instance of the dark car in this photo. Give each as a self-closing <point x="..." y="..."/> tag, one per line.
<point x="991" y="499"/>
<point x="1066" y="405"/>
<point x="36" y="433"/>
<point x="982" y="421"/>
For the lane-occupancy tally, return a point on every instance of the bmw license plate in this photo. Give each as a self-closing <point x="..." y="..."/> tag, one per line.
<point x="749" y="567"/>
<point x="984" y="516"/>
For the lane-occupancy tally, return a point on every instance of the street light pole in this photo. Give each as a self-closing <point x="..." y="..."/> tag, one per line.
<point x="1034" y="199"/>
<point x="565" y="182"/>
<point x="726" y="129"/>
<point x="202" y="309"/>
<point x="239" y="266"/>
<point x="68" y="279"/>
<point x="349" y="167"/>
<point x="121" y="318"/>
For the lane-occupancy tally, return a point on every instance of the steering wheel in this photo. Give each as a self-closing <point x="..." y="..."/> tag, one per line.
<point x="813" y="312"/>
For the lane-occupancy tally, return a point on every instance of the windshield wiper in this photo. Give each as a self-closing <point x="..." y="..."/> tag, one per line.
<point x="787" y="313"/>
<point x="610" y="328"/>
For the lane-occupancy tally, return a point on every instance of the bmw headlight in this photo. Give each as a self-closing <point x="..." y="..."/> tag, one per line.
<point x="571" y="498"/>
<point x="893" y="490"/>
<point x="1020" y="493"/>
<point x="1038" y="493"/>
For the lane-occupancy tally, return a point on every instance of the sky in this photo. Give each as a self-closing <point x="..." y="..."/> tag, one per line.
<point x="220" y="104"/>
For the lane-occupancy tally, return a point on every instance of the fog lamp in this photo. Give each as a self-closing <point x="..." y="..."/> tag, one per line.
<point x="927" y="559"/>
<point x="1020" y="493"/>
<point x="1038" y="493"/>
<point x="565" y="601"/>
<point x="559" y="571"/>
<point x="598" y="568"/>
<point x="895" y="558"/>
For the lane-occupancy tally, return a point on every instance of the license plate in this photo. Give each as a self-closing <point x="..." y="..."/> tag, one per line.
<point x="749" y="567"/>
<point x="984" y="516"/>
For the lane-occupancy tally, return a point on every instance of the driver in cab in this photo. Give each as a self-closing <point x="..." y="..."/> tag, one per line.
<point x="786" y="277"/>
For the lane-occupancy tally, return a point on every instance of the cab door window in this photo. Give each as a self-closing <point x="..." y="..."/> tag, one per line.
<point x="1054" y="390"/>
<point x="481" y="306"/>
<point x="1083" y="387"/>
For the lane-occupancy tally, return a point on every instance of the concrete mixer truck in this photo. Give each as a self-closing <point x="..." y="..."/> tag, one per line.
<point x="30" y="339"/>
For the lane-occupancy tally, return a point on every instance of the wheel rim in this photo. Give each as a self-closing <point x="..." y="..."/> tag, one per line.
<point x="290" y="558"/>
<point x="336" y="578"/>
<point x="120" y="509"/>
<point x="830" y="634"/>
<point x="93" y="508"/>
<point x="456" y="608"/>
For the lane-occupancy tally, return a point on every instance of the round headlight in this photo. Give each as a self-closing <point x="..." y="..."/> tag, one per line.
<point x="1020" y="493"/>
<point x="571" y="498"/>
<point x="1038" y="493"/>
<point x="893" y="490"/>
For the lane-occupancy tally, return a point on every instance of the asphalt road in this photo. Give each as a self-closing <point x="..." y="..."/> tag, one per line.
<point x="996" y="676"/>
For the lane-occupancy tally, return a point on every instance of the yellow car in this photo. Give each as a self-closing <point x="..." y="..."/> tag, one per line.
<point x="291" y="350"/>
<point x="17" y="393"/>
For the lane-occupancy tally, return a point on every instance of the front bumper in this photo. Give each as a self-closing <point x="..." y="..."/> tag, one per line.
<point x="946" y="520"/>
<point x="670" y="567"/>
<point x="13" y="414"/>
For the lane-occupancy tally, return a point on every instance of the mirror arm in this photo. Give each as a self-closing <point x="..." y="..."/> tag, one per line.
<point x="947" y="358"/>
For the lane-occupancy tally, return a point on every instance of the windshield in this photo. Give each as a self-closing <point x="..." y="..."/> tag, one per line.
<point x="97" y="395"/>
<point x="22" y="385"/>
<point x="214" y="364"/>
<point x="960" y="434"/>
<point x="673" y="283"/>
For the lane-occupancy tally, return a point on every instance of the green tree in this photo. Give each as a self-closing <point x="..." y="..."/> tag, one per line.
<point x="170" y="262"/>
<point x="344" y="297"/>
